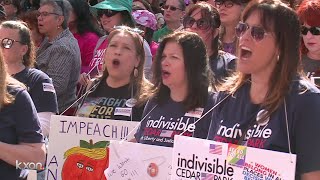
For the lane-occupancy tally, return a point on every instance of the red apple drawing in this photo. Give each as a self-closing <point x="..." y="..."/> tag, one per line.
<point x="86" y="162"/>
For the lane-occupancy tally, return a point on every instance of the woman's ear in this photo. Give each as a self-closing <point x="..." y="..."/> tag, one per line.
<point x="24" y="50"/>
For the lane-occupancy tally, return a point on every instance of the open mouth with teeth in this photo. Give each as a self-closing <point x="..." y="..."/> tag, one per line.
<point x="245" y="52"/>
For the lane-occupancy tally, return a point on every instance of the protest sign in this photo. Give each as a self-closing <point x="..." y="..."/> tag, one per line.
<point x="209" y="160"/>
<point x="135" y="161"/>
<point x="78" y="147"/>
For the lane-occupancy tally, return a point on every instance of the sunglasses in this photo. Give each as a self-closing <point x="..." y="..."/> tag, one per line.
<point x="7" y="43"/>
<point x="313" y="30"/>
<point x="202" y="23"/>
<point x="172" y="8"/>
<point x="227" y="4"/>
<point x="257" y="33"/>
<point x="106" y="12"/>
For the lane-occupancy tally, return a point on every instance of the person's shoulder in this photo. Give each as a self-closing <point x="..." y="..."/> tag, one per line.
<point x="304" y="92"/>
<point x="37" y="74"/>
<point x="90" y="35"/>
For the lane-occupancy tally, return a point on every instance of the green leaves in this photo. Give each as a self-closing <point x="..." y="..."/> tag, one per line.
<point x="99" y="144"/>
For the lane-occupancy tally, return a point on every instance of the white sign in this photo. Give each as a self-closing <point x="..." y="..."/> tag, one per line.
<point x="209" y="160"/>
<point x="135" y="161"/>
<point x="78" y="147"/>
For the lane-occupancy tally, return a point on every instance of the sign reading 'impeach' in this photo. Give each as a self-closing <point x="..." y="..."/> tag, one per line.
<point x="79" y="147"/>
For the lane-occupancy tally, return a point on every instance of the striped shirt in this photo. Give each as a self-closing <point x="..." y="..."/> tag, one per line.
<point x="61" y="60"/>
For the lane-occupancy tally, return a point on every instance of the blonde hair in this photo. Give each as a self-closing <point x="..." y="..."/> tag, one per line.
<point x="96" y="153"/>
<point x="5" y="97"/>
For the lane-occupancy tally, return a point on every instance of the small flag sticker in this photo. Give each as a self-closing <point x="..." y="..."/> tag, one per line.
<point x="215" y="149"/>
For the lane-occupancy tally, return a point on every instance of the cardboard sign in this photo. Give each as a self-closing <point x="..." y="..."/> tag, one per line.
<point x="209" y="160"/>
<point x="79" y="146"/>
<point x="135" y="161"/>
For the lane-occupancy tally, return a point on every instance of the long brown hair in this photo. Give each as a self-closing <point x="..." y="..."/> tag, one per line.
<point x="199" y="76"/>
<point x="140" y="83"/>
<point x="277" y="17"/>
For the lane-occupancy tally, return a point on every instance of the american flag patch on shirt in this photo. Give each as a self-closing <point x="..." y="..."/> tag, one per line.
<point x="166" y="133"/>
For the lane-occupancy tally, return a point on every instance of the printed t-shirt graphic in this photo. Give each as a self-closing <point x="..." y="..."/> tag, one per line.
<point x="234" y="115"/>
<point x="168" y="119"/>
<point x="109" y="103"/>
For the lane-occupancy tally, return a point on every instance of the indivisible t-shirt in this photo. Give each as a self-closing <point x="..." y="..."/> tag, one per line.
<point x="18" y="124"/>
<point x="236" y="119"/>
<point x="110" y="103"/>
<point x="164" y="121"/>
<point x="40" y="88"/>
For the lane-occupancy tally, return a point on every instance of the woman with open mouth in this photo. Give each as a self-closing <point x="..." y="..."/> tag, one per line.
<point x="181" y="98"/>
<point x="120" y="92"/>
<point x="269" y="103"/>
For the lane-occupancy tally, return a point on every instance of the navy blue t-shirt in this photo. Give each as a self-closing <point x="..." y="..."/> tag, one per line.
<point x="18" y="124"/>
<point x="164" y="121"/>
<point x="222" y="65"/>
<point x="236" y="118"/>
<point x="40" y="88"/>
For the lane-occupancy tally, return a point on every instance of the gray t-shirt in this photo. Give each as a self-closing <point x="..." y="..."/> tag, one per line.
<point x="311" y="66"/>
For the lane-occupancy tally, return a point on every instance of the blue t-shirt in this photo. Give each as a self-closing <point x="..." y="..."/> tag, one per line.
<point x="222" y="65"/>
<point x="236" y="119"/>
<point x="164" y="121"/>
<point x="18" y="124"/>
<point x="40" y="88"/>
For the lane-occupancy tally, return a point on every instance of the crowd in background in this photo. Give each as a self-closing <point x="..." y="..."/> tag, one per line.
<point x="255" y="61"/>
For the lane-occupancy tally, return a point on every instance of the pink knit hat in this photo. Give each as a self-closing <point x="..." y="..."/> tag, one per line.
<point x="145" y="18"/>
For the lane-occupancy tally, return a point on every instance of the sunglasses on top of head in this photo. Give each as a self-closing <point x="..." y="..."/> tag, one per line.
<point x="313" y="30"/>
<point x="172" y="8"/>
<point x="202" y="24"/>
<point x="257" y="33"/>
<point x="7" y="43"/>
<point x="106" y="12"/>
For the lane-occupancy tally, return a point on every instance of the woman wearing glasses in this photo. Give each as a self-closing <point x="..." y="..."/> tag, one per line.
<point x="180" y="99"/>
<point x="269" y="94"/>
<point x="204" y="19"/>
<point x="18" y="53"/>
<point x="120" y="92"/>
<point x="20" y="134"/>
<point x="112" y="13"/>
<point x="174" y="11"/>
<point x="309" y="14"/>
<point x="59" y="53"/>
<point x="230" y="12"/>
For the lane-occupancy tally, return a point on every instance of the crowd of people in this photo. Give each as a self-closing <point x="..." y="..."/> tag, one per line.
<point x="211" y="65"/>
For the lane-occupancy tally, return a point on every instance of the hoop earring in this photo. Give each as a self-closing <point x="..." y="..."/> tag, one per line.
<point x="135" y="72"/>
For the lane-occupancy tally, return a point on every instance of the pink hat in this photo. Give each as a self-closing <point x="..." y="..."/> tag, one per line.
<point x="145" y="18"/>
